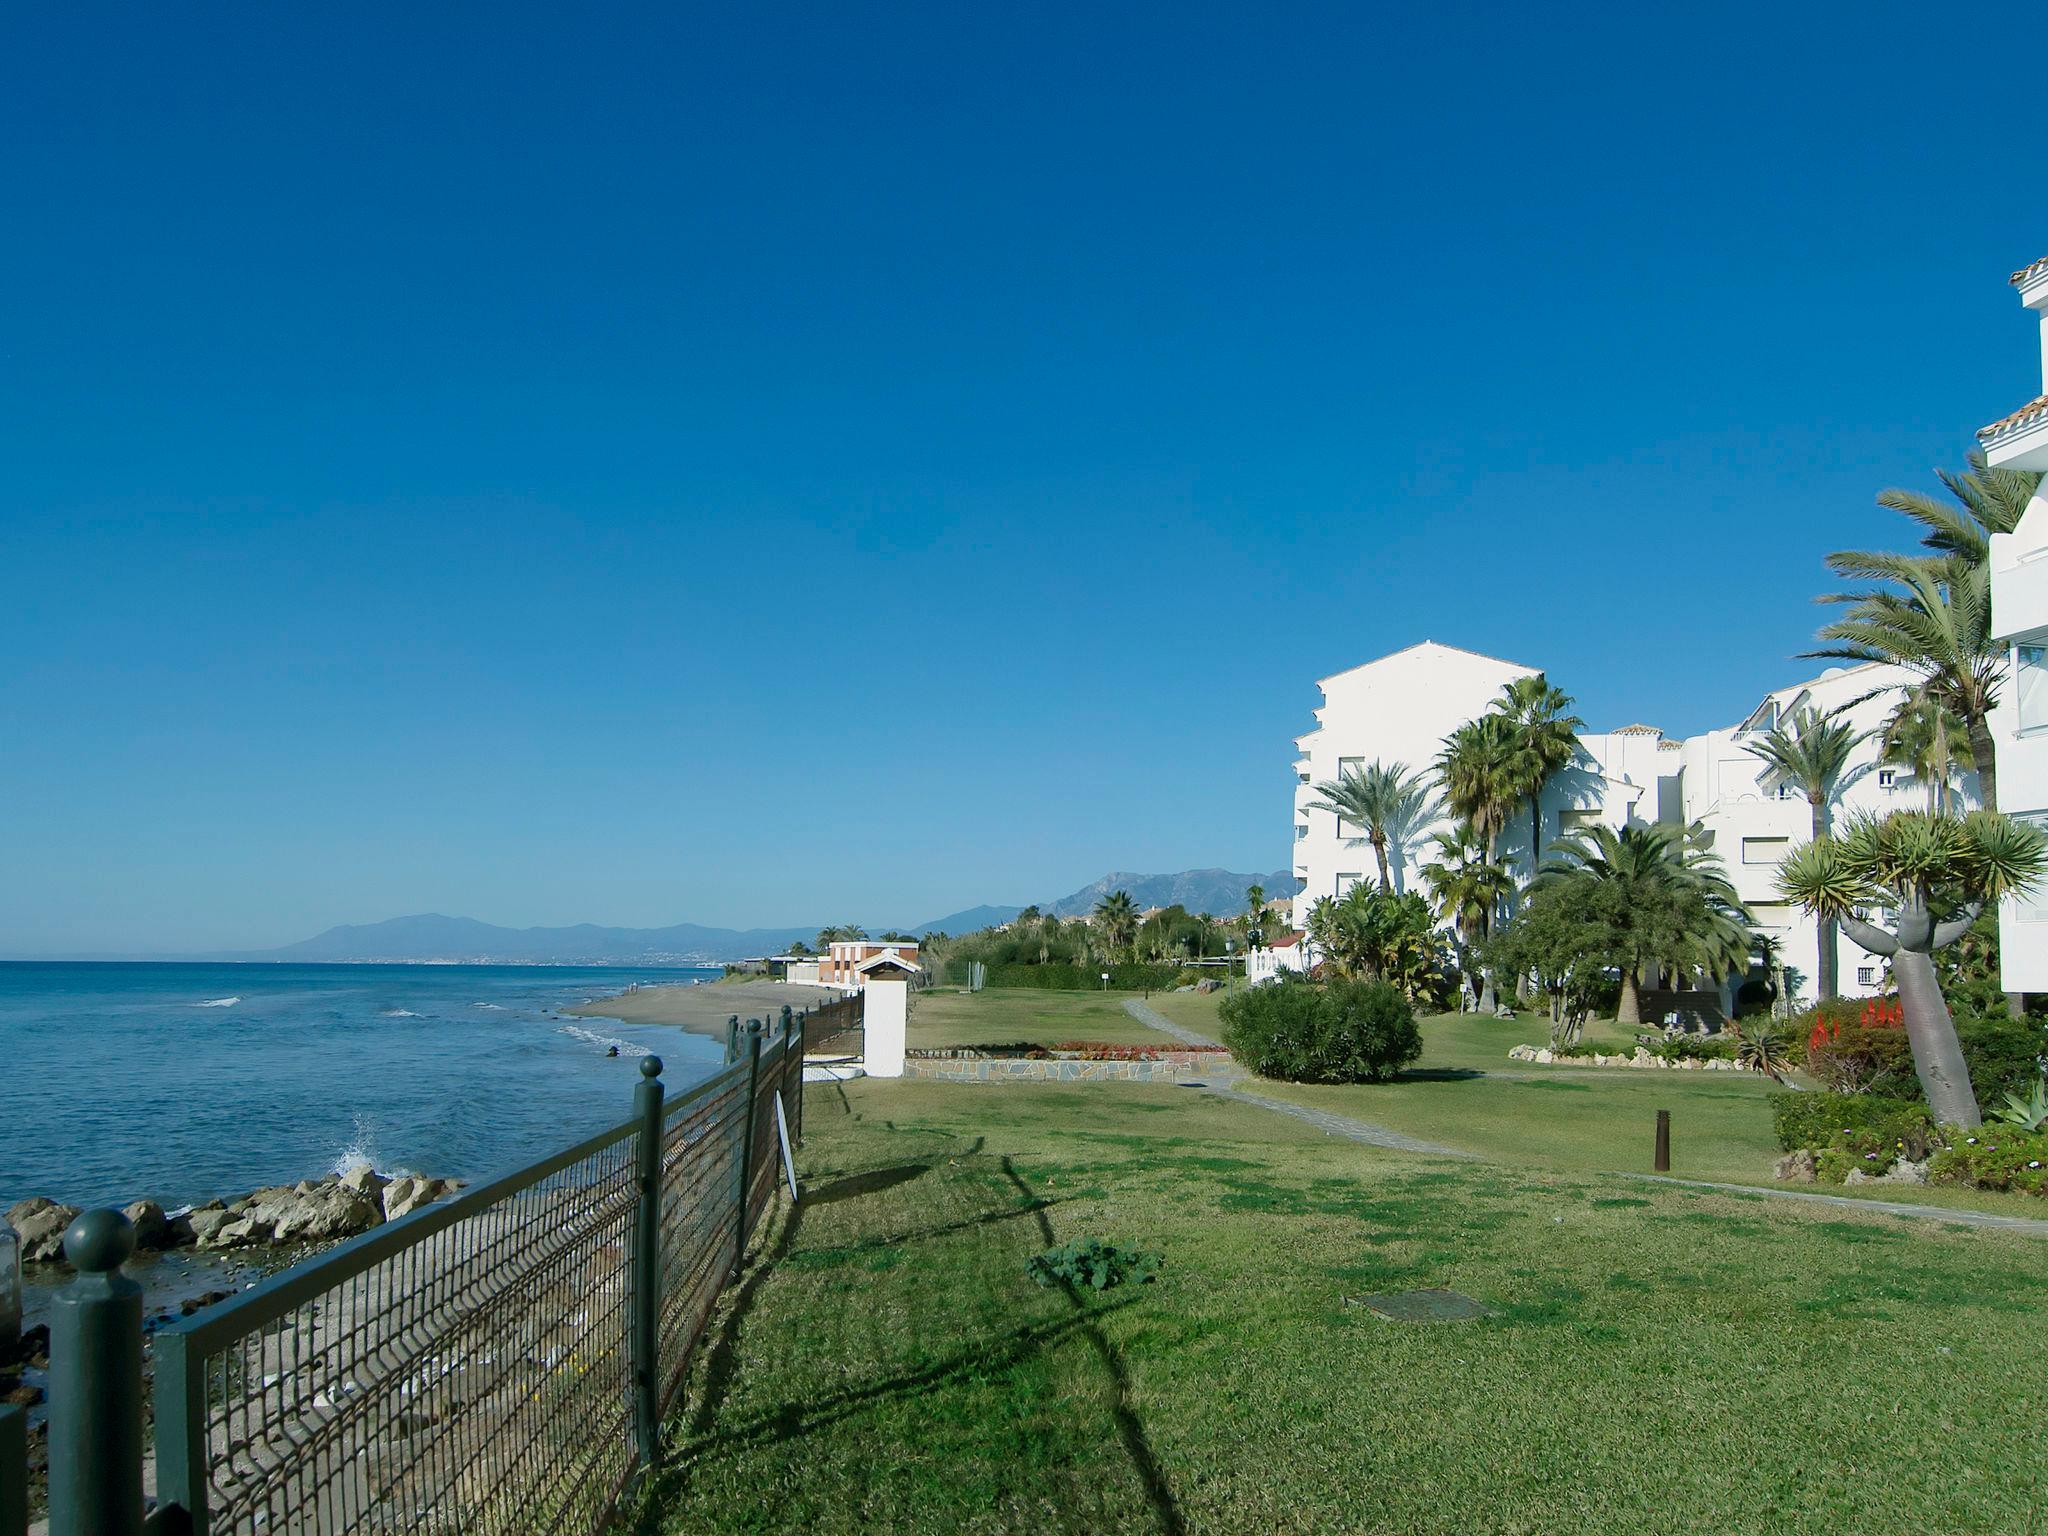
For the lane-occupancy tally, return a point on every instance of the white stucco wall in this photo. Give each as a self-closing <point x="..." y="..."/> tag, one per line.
<point x="2019" y="608"/>
<point x="885" y="1019"/>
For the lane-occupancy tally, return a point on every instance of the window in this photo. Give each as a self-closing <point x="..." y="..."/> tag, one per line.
<point x="1866" y="975"/>
<point x="1887" y="778"/>
<point x="2032" y="907"/>
<point x="1345" y="882"/>
<point x="2030" y="674"/>
<point x="1347" y="766"/>
<point x="1574" y="821"/>
<point x="1771" y="914"/>
<point x="1764" y="850"/>
<point x="1788" y="790"/>
<point x="1300" y="830"/>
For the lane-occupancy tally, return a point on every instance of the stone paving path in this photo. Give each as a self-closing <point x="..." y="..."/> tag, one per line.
<point x="1224" y="1082"/>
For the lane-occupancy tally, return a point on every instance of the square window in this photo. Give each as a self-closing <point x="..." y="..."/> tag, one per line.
<point x="1887" y="778"/>
<point x="1866" y="975"/>
<point x="2030" y="684"/>
<point x="1345" y="882"/>
<point x="1765" y="850"/>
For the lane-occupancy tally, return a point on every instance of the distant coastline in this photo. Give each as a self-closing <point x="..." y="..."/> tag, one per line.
<point x="702" y="1009"/>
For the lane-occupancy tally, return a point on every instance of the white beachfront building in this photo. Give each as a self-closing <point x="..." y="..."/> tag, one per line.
<point x="2019" y="616"/>
<point x="1401" y="707"/>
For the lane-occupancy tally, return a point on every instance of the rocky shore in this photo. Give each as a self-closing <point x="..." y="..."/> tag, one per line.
<point x="310" y="1211"/>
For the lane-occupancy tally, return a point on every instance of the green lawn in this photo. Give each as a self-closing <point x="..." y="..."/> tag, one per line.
<point x="1657" y="1358"/>
<point x="998" y="1015"/>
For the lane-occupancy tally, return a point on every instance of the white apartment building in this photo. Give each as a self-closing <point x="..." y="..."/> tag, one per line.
<point x="2019" y="615"/>
<point x="1401" y="707"/>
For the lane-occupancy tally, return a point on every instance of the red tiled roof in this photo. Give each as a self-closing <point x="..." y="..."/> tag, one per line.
<point x="2035" y="410"/>
<point x="1292" y="938"/>
<point x="2026" y="273"/>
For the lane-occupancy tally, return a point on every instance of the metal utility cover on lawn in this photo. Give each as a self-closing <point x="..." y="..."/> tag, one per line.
<point x="1431" y="1306"/>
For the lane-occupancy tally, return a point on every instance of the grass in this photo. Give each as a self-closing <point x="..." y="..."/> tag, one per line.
<point x="942" y="1018"/>
<point x="1656" y="1357"/>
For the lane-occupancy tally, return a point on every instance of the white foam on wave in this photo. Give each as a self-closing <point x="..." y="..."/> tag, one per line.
<point x="400" y="1013"/>
<point x="592" y="1037"/>
<point x="218" y="1002"/>
<point x="360" y="1151"/>
<point x="494" y="1007"/>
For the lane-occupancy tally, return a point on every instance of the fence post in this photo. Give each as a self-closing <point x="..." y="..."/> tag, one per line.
<point x="803" y="1021"/>
<point x="13" y="1471"/>
<point x="732" y="1039"/>
<point x="183" y="1450"/>
<point x="747" y="1140"/>
<point x="647" y="1096"/>
<point x="96" y="1385"/>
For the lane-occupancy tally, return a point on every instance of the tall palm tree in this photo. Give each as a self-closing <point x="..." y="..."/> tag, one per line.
<point x="1254" y="913"/>
<point x="1937" y="873"/>
<point x="1546" y="737"/>
<point x="1118" y="916"/>
<point x="1677" y="903"/>
<point x="1811" y="757"/>
<point x="1988" y="501"/>
<point x="1470" y="888"/>
<point x="1388" y="800"/>
<point x="1927" y="742"/>
<point x="1932" y="619"/>
<point x="1477" y="768"/>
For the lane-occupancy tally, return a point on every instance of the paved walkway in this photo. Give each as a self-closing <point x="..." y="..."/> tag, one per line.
<point x="1224" y="1085"/>
<point x="2028" y="1224"/>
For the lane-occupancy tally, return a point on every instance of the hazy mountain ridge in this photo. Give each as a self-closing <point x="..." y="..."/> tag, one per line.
<point x="427" y="937"/>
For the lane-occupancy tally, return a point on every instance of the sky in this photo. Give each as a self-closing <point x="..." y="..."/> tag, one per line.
<point x="766" y="465"/>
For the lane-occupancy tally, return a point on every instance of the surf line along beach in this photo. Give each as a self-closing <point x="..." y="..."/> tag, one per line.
<point x="704" y="1008"/>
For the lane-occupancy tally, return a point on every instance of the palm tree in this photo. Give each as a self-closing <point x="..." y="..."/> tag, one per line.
<point x="1933" y="613"/>
<point x="1254" y="913"/>
<point x="1669" y="895"/>
<point x="1546" y="737"/>
<point x="1477" y="769"/>
<point x="1811" y="757"/>
<point x="1118" y="916"/>
<point x="1927" y="742"/>
<point x="1938" y="873"/>
<point x="1990" y="501"/>
<point x="1387" y="799"/>
<point x="1470" y="888"/>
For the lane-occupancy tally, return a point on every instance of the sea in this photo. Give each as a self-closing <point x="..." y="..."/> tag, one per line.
<point x="188" y="1082"/>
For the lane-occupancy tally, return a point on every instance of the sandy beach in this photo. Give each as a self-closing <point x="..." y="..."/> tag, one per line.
<point x="703" y="1009"/>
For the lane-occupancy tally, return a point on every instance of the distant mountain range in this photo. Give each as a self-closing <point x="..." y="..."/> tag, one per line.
<point x="430" y="937"/>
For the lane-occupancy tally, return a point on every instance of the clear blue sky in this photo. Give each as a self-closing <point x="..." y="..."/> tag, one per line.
<point x="788" y="464"/>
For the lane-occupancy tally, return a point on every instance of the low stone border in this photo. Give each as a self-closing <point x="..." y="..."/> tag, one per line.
<point x="1172" y="1066"/>
<point x="1643" y="1058"/>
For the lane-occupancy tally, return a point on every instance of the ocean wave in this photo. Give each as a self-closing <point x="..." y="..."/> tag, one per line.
<point x="592" y="1037"/>
<point x="361" y="1151"/>
<point x="399" y="1013"/>
<point x="218" y="1002"/>
<point x="494" y="1007"/>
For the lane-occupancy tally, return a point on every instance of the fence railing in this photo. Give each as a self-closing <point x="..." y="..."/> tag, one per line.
<point x="836" y="1028"/>
<point x="496" y="1362"/>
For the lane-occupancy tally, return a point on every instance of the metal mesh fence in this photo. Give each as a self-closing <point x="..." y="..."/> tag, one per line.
<point x="469" y="1368"/>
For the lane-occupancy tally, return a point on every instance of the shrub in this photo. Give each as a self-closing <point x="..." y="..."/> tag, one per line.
<point x="1996" y="1157"/>
<point x="2004" y="1055"/>
<point x="1091" y="1262"/>
<point x="1304" y="1032"/>
<point x="1719" y="1047"/>
<point x="1854" y="1124"/>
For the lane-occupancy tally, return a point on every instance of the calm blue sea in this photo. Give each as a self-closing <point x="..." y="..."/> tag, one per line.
<point x="185" y="1082"/>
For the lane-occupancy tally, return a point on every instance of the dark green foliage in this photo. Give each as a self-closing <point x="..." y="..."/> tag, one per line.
<point x="1305" y="1032"/>
<point x="1846" y="1052"/>
<point x="1853" y="1123"/>
<point x="1092" y="1264"/>
<point x="2004" y="1055"/>
<point x="1996" y="1157"/>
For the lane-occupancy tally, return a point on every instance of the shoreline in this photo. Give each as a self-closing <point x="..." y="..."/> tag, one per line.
<point x="704" y="1008"/>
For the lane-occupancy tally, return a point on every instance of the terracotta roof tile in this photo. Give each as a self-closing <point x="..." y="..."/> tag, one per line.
<point x="2033" y="412"/>
<point x="2027" y="273"/>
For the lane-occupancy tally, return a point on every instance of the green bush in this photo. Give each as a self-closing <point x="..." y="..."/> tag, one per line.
<point x="1307" y="1032"/>
<point x="1719" y="1047"/>
<point x="1091" y="1262"/>
<point x="2004" y="1055"/>
<point x="1854" y="1124"/>
<point x="1995" y="1157"/>
<point x="1062" y="976"/>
